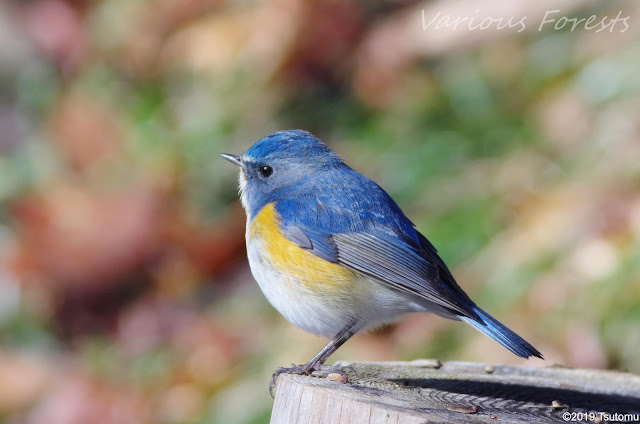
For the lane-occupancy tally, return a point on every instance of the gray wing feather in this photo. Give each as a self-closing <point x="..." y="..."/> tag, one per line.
<point x="296" y="235"/>
<point x="398" y="265"/>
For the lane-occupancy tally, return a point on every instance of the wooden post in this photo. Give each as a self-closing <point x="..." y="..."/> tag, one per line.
<point x="427" y="391"/>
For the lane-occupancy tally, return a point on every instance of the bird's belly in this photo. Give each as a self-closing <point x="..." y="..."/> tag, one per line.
<point x="316" y="295"/>
<point x="313" y="305"/>
<point x="325" y="304"/>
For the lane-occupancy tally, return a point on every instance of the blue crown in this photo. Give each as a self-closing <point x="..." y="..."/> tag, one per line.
<point x="290" y="144"/>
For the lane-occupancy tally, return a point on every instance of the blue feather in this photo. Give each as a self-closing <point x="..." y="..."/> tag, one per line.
<point x="501" y="334"/>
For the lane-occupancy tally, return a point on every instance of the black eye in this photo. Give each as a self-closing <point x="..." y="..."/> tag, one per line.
<point x="265" y="171"/>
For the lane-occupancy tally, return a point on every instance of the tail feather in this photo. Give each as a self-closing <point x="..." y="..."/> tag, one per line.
<point x="501" y="334"/>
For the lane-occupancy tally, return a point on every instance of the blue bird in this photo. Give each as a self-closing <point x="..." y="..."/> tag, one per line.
<point x="334" y="254"/>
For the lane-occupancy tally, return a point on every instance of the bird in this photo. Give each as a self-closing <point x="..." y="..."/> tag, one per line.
<point x="335" y="254"/>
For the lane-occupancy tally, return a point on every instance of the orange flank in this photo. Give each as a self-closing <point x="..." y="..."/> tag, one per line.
<point x="299" y="265"/>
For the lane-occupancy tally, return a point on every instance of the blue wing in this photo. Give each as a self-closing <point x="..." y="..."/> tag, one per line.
<point x="351" y="221"/>
<point x="356" y="224"/>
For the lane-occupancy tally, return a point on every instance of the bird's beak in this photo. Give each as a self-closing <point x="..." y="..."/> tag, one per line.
<point x="235" y="159"/>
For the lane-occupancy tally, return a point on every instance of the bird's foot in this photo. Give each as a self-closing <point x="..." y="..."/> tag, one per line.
<point x="294" y="369"/>
<point x="333" y="372"/>
<point x="316" y="370"/>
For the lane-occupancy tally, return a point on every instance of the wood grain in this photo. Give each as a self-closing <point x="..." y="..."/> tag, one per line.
<point x="427" y="391"/>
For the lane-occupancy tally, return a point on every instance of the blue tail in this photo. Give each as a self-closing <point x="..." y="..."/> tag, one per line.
<point x="500" y="333"/>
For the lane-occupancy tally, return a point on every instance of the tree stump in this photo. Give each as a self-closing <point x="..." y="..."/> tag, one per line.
<point x="427" y="391"/>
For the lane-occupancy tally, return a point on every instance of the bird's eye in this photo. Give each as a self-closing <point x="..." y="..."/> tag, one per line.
<point x="265" y="171"/>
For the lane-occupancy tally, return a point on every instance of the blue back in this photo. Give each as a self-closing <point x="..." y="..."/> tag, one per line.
<point x="319" y="191"/>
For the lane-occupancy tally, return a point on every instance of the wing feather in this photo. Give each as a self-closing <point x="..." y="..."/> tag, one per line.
<point x="374" y="238"/>
<point x="399" y="265"/>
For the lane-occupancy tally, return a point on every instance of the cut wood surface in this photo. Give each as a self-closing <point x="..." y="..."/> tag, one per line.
<point x="427" y="391"/>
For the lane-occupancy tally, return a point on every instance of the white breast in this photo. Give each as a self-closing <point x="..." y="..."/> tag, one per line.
<point x="325" y="313"/>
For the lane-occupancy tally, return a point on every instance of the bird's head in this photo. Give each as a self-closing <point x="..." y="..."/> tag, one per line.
<point x="279" y="165"/>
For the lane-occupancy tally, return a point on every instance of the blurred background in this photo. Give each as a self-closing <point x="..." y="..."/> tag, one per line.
<point x="125" y="295"/>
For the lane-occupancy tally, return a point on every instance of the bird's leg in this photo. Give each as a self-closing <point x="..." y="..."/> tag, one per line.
<point x="316" y="365"/>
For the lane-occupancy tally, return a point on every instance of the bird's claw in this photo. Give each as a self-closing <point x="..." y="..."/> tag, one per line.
<point x="318" y="370"/>
<point x="293" y="369"/>
<point x="323" y="371"/>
